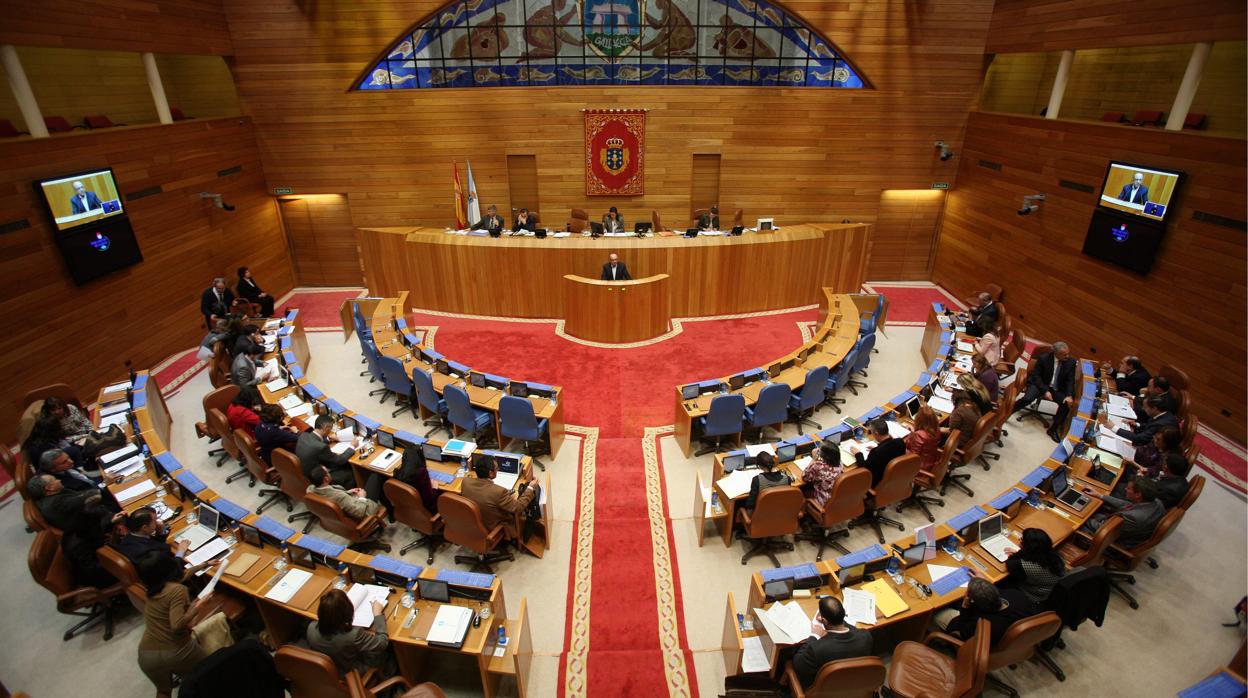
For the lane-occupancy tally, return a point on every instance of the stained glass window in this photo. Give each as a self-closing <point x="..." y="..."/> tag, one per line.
<point x="516" y="43"/>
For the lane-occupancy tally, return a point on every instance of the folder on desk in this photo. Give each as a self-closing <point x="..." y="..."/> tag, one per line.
<point x="399" y="568"/>
<point x="948" y="582"/>
<point x="466" y="579"/>
<point x="137" y="491"/>
<point x="887" y="601"/>
<point x="966" y="518"/>
<point x="439" y="476"/>
<point x="1078" y="427"/>
<point x="1060" y="453"/>
<point x="289" y="585"/>
<point x="1036" y="476"/>
<point x="450" y="626"/>
<point x="859" y="557"/>
<point x="320" y="546"/>
<point x="190" y="481"/>
<point x="273" y="528"/>
<point x="229" y="509"/>
<point x="803" y="571"/>
<point x="1005" y="500"/>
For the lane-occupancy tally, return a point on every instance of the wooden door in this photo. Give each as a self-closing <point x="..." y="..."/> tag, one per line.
<point x="322" y="240"/>
<point x="905" y="235"/>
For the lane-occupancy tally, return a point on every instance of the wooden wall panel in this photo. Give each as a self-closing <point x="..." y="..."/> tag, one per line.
<point x="1019" y="83"/>
<point x="59" y="332"/>
<point x="201" y="86"/>
<point x="322" y="239"/>
<point x="1046" y="25"/>
<point x="522" y="186"/>
<point x="1190" y="311"/>
<point x="163" y="26"/>
<point x="801" y="155"/>
<point x="704" y="186"/>
<point x="74" y="83"/>
<point x="905" y="235"/>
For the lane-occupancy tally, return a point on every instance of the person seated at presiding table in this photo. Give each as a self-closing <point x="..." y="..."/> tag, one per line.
<point x="1001" y="608"/>
<point x="168" y="646"/>
<point x="613" y="222"/>
<point x="990" y="346"/>
<point x="249" y="337"/>
<point x="74" y="422"/>
<point x="351" y="648"/>
<point x="413" y="471"/>
<point x="1150" y="457"/>
<point x="1053" y="379"/>
<point x="1131" y="378"/>
<point x="47" y="435"/>
<point x="1156" y="418"/>
<point x="242" y="412"/>
<point x="820" y="476"/>
<point x="249" y="289"/>
<point x="353" y="502"/>
<point x="977" y="391"/>
<point x="491" y="220"/>
<point x="615" y="270"/>
<point x="1035" y="567"/>
<point x="964" y="417"/>
<point x="84" y="519"/>
<point x="709" y="220"/>
<point x="925" y="440"/>
<point x="215" y="302"/>
<point x="983" y="318"/>
<point x="313" y="449"/>
<point x="986" y="374"/>
<point x="886" y="449"/>
<point x="271" y="434"/>
<point x="498" y="505"/>
<point x="524" y="221"/>
<point x="1140" y="512"/>
<point x="767" y="478"/>
<point x="830" y="639"/>
<point x="248" y="368"/>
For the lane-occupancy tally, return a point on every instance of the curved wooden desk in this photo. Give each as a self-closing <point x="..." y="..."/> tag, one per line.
<point x="522" y="276"/>
<point x="616" y="312"/>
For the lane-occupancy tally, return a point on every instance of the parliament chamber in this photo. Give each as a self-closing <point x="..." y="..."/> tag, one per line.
<point x="671" y="348"/>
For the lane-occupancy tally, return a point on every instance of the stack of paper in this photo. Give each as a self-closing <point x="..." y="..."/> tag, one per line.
<point x="887" y="600"/>
<point x="207" y="551"/>
<point x="459" y="448"/>
<point x="340" y="448"/>
<point x="113" y="456"/>
<point x="289" y="402"/>
<point x="736" y="484"/>
<point x="289" y="585"/>
<point x="276" y="384"/>
<point x="126" y="468"/>
<point x="859" y="607"/>
<point x="302" y="410"/>
<point x="897" y="430"/>
<point x="450" y="626"/>
<point x="803" y="463"/>
<point x="362" y="597"/>
<point x="345" y="435"/>
<point x="755" y="449"/>
<point x="755" y="658"/>
<point x="785" y="623"/>
<point x="118" y="419"/>
<point x="136" y="491"/>
<point x="114" y="408"/>
<point x="117" y="387"/>
<point x="966" y="346"/>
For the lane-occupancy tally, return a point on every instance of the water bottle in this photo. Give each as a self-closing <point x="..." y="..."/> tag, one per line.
<point x="340" y="581"/>
<point x="714" y="501"/>
<point x="279" y="563"/>
<point x="894" y="569"/>
<point x="502" y="635"/>
<point x="409" y="596"/>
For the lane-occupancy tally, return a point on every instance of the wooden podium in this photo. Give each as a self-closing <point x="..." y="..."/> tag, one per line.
<point x="616" y="312"/>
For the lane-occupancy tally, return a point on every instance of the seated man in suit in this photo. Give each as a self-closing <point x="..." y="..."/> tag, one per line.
<point x="497" y="505"/>
<point x="491" y="220"/>
<point x="215" y="302"/>
<point x="248" y="369"/>
<point x="830" y="639"/>
<point x="1001" y="608"/>
<point x="983" y="318"/>
<point x="61" y="507"/>
<point x="615" y="270"/>
<point x="313" y="449"/>
<point x="84" y="520"/>
<point x="353" y="502"/>
<point x="1132" y="378"/>
<point x="145" y="534"/>
<point x="1135" y="192"/>
<point x="1158" y="387"/>
<point x="1172" y="484"/>
<point x="1140" y="511"/>
<point x="58" y="464"/>
<point x="524" y="221"/>
<point x="767" y="478"/>
<point x="709" y="220"/>
<point x="886" y="449"/>
<point x="1155" y="419"/>
<point x="1053" y="379"/>
<point x="83" y="200"/>
<point x="249" y="337"/>
<point x="613" y="222"/>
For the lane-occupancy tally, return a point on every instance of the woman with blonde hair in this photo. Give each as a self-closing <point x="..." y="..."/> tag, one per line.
<point x="976" y="391"/>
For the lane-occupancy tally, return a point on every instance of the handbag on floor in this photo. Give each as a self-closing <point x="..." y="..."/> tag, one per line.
<point x="213" y="633"/>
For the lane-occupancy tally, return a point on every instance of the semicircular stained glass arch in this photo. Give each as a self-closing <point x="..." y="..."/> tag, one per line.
<point x="543" y="43"/>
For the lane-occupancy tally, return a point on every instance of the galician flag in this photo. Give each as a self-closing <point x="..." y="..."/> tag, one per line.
<point x="474" y="204"/>
<point x="460" y="223"/>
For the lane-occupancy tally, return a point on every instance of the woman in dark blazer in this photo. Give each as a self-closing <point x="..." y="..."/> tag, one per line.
<point x="249" y="289"/>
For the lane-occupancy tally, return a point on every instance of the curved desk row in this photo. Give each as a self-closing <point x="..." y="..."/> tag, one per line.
<point x="267" y="540"/>
<point x="522" y="277"/>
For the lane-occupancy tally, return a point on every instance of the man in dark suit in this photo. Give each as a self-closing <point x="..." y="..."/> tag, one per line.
<point x="1135" y="192"/>
<point x="83" y="200"/>
<point x="983" y="318"/>
<point x="1053" y="379"/>
<point x="1158" y="387"/>
<point x="215" y="302"/>
<point x="709" y="220"/>
<point x="313" y="450"/>
<point x="1142" y="432"/>
<point x="58" y="464"/>
<point x="146" y="535"/>
<point x="1132" y="377"/>
<point x="615" y="270"/>
<point x="491" y="220"/>
<point x="984" y="601"/>
<point x="830" y="639"/>
<point x="1141" y="511"/>
<point x="497" y="504"/>
<point x="886" y="449"/>
<point x="524" y="221"/>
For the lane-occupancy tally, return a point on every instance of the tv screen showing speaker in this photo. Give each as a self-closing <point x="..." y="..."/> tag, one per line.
<point x="1140" y="191"/>
<point x="1128" y="241"/>
<point x="81" y="199"/>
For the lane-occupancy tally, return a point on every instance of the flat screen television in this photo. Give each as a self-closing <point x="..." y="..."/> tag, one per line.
<point x="90" y="225"/>
<point x="1128" y="241"/>
<point x="76" y="200"/>
<point x="1141" y="191"/>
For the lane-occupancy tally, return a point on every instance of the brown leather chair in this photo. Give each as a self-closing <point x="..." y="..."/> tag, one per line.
<point x="1189" y="428"/>
<point x="1004" y="407"/>
<point x="928" y="481"/>
<point x="51" y="571"/>
<point x="34" y="518"/>
<point x="1192" y="453"/>
<point x="314" y="675"/>
<point x="918" y="671"/>
<point x="218" y="399"/>
<point x="124" y="572"/>
<point x="218" y="423"/>
<point x="21" y="477"/>
<point x="1038" y="349"/>
<point x="1194" y="488"/>
<point x="293" y="482"/>
<point x="362" y="535"/>
<point x="1006" y="326"/>
<point x="462" y="525"/>
<point x="697" y="215"/>
<point x="896" y="485"/>
<point x="859" y="677"/>
<point x="973" y="450"/>
<point x="578" y="222"/>
<point x="1011" y="349"/>
<point x="60" y="390"/>
<point x="8" y="461"/>
<point x="1094" y="554"/>
<point x="846" y="503"/>
<point x="1177" y="376"/>
<point x="1019" y="643"/>
<point x="357" y="688"/>
<point x="738" y="218"/>
<point x="259" y="470"/>
<point x="655" y="221"/>
<point x="409" y="509"/>
<point x="775" y="515"/>
<point x="952" y="478"/>
<point x="1120" y="562"/>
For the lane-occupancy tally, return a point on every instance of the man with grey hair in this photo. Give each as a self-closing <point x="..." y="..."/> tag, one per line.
<point x="83" y="200"/>
<point x="984" y="317"/>
<point x="215" y="303"/>
<point x="84" y="519"/>
<point x="1000" y="608"/>
<point x="1052" y="379"/>
<point x="59" y="465"/>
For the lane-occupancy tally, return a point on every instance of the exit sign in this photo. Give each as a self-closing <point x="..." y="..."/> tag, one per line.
<point x="281" y="191"/>
<point x="940" y="185"/>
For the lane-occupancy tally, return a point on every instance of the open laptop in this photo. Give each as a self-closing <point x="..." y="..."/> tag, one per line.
<point x="203" y="531"/>
<point x="992" y="537"/>
<point x="595" y="230"/>
<point x="642" y="228"/>
<point x="1066" y="495"/>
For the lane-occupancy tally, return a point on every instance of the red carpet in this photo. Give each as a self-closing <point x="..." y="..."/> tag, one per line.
<point x="909" y="305"/>
<point x="319" y="308"/>
<point x="621" y="392"/>
<point x="1223" y="459"/>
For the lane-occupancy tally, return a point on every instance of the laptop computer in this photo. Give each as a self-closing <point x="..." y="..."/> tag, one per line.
<point x="595" y="229"/>
<point x="691" y="232"/>
<point x="913" y="555"/>
<point x="734" y="462"/>
<point x="203" y="531"/>
<point x="992" y="538"/>
<point x="1066" y="495"/>
<point x="689" y="392"/>
<point x="642" y="228"/>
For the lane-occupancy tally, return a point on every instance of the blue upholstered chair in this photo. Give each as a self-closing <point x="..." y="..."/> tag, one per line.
<point x="770" y="410"/>
<point x="396" y="380"/>
<point x="428" y="398"/>
<point x="462" y="414"/>
<point x="839" y="378"/>
<point x="868" y="321"/>
<point x="517" y="421"/>
<point x="865" y="344"/>
<point x="373" y="358"/>
<point x="806" y="401"/>
<point x="726" y="417"/>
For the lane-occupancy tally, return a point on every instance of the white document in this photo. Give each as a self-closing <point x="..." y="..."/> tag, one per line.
<point x="506" y="480"/>
<point x="754" y="659"/>
<point x="126" y="468"/>
<point x="785" y="623"/>
<point x="562" y="235"/>
<point x="942" y="393"/>
<point x="965" y="346"/>
<point x="118" y="419"/>
<point x="276" y="385"/>
<point x="117" y="387"/>
<point x="1117" y="400"/>
<point x="340" y="448"/>
<point x="450" y="625"/>
<point x="113" y="456"/>
<point x="114" y="408"/>
<point x="290" y="401"/>
<point x="216" y="577"/>
<point x="290" y="584"/>
<point x="134" y="492"/>
<point x="272" y="324"/>
<point x="939" y="572"/>
<point x="345" y="435"/>
<point x="859" y="606"/>
<point x="207" y="551"/>
<point x="385" y="459"/>
<point x="737" y="483"/>
<point x="304" y="409"/>
<point x="897" y="430"/>
<point x="941" y="404"/>
<point x="1120" y="411"/>
<point x="804" y="462"/>
<point x="362" y="597"/>
<point x="754" y="450"/>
